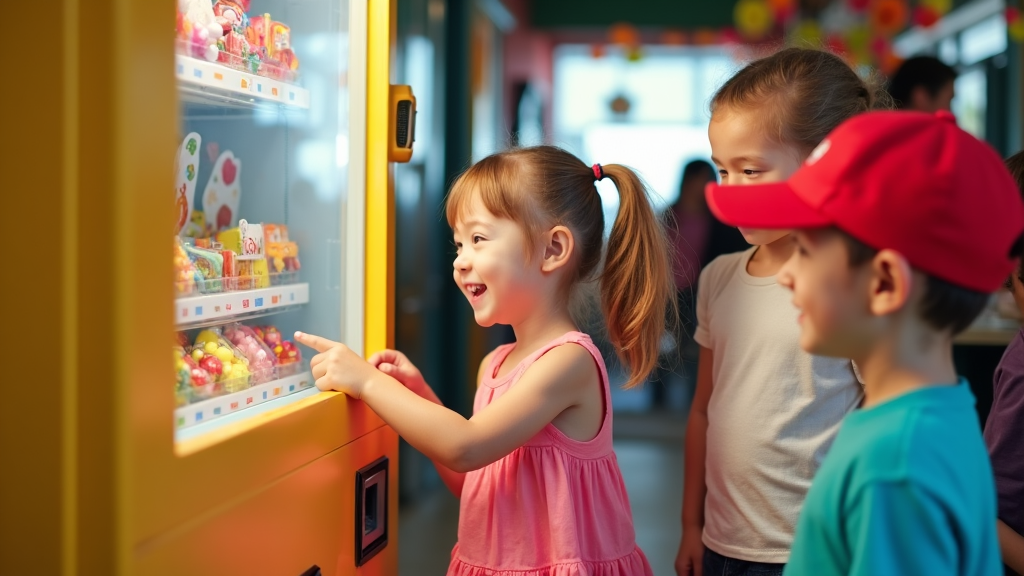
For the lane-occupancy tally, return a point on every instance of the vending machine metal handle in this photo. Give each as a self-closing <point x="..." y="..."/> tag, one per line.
<point x="371" y="510"/>
<point x="403" y="123"/>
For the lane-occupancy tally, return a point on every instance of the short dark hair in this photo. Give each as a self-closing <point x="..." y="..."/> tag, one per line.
<point x="926" y="71"/>
<point x="944" y="306"/>
<point x="696" y="168"/>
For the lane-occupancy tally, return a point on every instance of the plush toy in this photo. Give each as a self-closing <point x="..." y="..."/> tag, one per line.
<point x="198" y="16"/>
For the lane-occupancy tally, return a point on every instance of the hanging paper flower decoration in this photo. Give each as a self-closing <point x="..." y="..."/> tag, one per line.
<point x="926" y="16"/>
<point x="939" y="6"/>
<point x="806" y="33"/>
<point x="673" y="37"/>
<point x="783" y="9"/>
<point x="880" y="47"/>
<point x="838" y="46"/>
<point x="888" y="16"/>
<point x="753" y="18"/>
<point x="597" y="50"/>
<point x="857" y="39"/>
<point x="1015" y="24"/>
<point x="620" y="104"/>
<point x="889" y="63"/>
<point x="624" y="35"/>
<point x="705" y="37"/>
<point x="728" y="36"/>
<point x="858" y="5"/>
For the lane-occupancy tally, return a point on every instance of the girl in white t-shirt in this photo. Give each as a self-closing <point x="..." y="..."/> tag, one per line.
<point x="765" y="412"/>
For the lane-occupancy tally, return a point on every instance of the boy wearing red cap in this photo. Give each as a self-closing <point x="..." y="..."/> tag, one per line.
<point x="904" y="226"/>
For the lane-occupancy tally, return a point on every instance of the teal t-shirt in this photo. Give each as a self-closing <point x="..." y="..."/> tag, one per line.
<point x="906" y="489"/>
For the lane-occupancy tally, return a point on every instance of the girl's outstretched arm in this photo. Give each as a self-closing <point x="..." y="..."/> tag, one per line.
<point x="396" y="365"/>
<point x="556" y="381"/>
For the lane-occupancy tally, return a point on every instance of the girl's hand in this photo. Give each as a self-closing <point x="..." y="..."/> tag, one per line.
<point x="395" y="364"/>
<point x="336" y="367"/>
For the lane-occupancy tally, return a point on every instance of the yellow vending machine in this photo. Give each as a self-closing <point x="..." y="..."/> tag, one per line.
<point x="224" y="181"/>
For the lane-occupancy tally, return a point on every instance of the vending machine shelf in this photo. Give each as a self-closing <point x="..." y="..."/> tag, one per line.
<point x="218" y="406"/>
<point x="214" y="84"/>
<point x="212" y="309"/>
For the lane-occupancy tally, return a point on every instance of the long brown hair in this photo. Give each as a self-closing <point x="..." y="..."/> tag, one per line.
<point x="804" y="94"/>
<point x="546" y="186"/>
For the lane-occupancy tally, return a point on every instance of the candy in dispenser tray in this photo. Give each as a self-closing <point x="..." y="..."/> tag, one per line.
<point x="209" y="267"/>
<point x="287" y="353"/>
<point x="282" y="254"/>
<point x="198" y="29"/>
<point x="184" y="272"/>
<point x="225" y="363"/>
<point x="262" y="361"/>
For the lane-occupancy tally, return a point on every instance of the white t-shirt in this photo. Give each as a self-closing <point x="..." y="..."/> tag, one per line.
<point x="773" y="413"/>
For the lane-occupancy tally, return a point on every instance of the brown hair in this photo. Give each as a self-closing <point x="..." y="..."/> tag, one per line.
<point x="804" y="92"/>
<point x="944" y="304"/>
<point x="546" y="186"/>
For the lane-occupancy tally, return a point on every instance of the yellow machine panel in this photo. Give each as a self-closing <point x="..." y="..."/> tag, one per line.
<point x="136" y="468"/>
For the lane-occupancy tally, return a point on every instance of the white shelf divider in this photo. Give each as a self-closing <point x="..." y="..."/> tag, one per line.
<point x="207" y="410"/>
<point x="219" y="77"/>
<point x="200" y="310"/>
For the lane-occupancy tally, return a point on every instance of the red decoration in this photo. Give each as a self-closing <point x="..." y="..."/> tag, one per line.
<point x="729" y="36"/>
<point x="889" y="16"/>
<point x="783" y="9"/>
<point x="837" y="45"/>
<point x="1012" y="15"/>
<point x="858" y="5"/>
<point x="926" y="16"/>
<point x="880" y="47"/>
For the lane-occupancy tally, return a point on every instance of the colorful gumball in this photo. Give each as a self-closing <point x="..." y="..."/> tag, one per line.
<point x="212" y="365"/>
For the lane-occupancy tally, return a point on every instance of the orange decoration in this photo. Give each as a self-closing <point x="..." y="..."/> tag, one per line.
<point x="888" y="16"/>
<point x="705" y="37"/>
<point x="597" y="50"/>
<point x="673" y="37"/>
<point x="624" y="34"/>
<point x="889" y="63"/>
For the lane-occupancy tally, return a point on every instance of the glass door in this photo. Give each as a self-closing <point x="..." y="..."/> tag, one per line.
<point x="261" y="203"/>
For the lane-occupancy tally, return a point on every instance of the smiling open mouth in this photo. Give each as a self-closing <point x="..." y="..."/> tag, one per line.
<point x="476" y="290"/>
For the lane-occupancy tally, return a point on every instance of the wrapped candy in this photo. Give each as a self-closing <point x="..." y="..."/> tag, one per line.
<point x="287" y="353"/>
<point x="218" y="357"/>
<point x="184" y="272"/>
<point x="209" y="268"/>
<point x="262" y="361"/>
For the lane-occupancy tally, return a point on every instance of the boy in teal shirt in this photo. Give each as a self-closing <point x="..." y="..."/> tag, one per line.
<point x="904" y="226"/>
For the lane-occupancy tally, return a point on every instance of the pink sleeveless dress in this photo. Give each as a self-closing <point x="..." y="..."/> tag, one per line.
<point x="554" y="506"/>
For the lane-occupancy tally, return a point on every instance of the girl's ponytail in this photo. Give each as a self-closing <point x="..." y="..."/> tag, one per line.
<point x="636" y="284"/>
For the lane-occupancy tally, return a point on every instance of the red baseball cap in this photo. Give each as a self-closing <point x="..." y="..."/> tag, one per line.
<point x="906" y="181"/>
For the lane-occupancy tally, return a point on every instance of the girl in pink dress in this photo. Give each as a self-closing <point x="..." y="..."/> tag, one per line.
<point x="541" y="490"/>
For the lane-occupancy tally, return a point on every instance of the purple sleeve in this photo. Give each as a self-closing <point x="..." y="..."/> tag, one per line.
<point x="1004" y="434"/>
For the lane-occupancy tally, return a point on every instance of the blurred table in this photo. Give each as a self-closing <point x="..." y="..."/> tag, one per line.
<point x="990" y="329"/>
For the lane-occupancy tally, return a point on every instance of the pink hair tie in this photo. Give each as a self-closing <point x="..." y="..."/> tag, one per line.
<point x="598" y="172"/>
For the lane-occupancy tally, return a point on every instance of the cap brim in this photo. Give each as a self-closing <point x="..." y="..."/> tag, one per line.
<point x="772" y="205"/>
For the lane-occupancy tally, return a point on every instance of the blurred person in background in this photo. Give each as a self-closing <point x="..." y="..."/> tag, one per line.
<point x="924" y="84"/>
<point x="696" y="238"/>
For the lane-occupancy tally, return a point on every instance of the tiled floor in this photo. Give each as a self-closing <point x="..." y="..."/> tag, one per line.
<point x="649" y="449"/>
